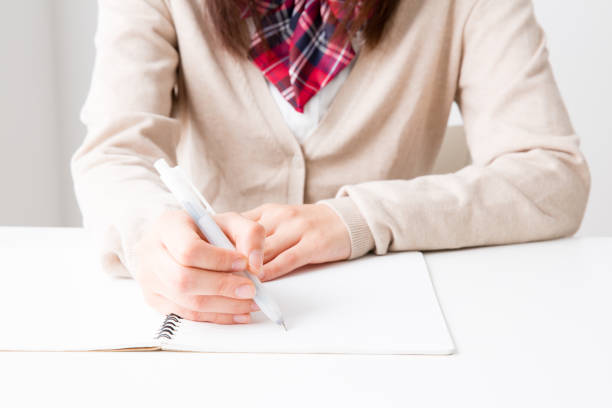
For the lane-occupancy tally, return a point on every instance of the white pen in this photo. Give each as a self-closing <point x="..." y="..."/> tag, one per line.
<point x="200" y="210"/>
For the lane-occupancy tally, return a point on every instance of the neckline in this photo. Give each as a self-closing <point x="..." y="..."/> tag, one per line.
<point x="340" y="106"/>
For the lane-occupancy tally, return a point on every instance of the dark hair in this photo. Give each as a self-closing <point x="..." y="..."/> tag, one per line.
<point x="231" y="30"/>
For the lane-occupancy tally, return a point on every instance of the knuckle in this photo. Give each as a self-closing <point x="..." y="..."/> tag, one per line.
<point x="225" y="285"/>
<point x="224" y="260"/>
<point x="268" y="252"/>
<point x="190" y="315"/>
<point x="242" y="308"/>
<point x="187" y="253"/>
<point x="303" y="224"/>
<point x="272" y="269"/>
<point x="202" y="303"/>
<point x="291" y="258"/>
<point x="256" y="230"/>
<point x="181" y="280"/>
<point x="297" y="225"/>
<point x="214" y="317"/>
<point x="291" y="212"/>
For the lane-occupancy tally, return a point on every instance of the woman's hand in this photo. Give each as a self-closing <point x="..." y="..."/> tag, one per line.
<point x="179" y="272"/>
<point x="298" y="235"/>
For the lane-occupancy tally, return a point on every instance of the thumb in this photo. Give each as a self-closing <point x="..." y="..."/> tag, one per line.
<point x="248" y="237"/>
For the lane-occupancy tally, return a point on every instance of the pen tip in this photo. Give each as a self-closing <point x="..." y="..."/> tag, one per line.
<point x="284" y="326"/>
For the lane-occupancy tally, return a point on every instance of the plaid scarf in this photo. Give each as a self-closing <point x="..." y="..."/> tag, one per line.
<point x="301" y="57"/>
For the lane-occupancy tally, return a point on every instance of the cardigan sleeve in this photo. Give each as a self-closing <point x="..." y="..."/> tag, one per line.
<point x="528" y="180"/>
<point x="127" y="114"/>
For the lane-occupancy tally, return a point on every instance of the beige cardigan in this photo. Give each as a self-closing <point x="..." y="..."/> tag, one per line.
<point x="163" y="88"/>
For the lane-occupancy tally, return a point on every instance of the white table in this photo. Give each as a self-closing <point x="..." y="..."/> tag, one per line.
<point x="532" y="323"/>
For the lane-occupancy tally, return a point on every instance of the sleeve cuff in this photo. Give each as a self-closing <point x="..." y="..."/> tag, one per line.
<point x="362" y="240"/>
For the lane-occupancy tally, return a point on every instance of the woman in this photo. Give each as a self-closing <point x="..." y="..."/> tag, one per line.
<point x="319" y="121"/>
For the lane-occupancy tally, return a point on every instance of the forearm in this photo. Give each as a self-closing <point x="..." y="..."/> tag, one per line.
<point x="128" y="114"/>
<point x="519" y="197"/>
<point x="528" y="179"/>
<point x="119" y="191"/>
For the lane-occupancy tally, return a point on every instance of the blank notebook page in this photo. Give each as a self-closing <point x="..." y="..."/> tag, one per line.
<point x="56" y="298"/>
<point x="373" y="305"/>
<point x="53" y="296"/>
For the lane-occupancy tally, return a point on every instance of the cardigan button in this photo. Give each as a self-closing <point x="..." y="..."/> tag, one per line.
<point x="297" y="162"/>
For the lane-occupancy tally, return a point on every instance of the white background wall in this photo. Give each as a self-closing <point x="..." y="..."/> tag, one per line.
<point x="75" y="24"/>
<point x="47" y="55"/>
<point x="580" y="42"/>
<point x="29" y="149"/>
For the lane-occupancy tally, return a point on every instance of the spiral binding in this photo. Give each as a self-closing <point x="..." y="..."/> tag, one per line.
<point x="168" y="327"/>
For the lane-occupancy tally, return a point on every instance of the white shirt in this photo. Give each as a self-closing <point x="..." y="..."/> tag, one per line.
<point x="303" y="124"/>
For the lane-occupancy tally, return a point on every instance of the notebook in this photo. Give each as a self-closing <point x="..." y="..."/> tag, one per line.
<point x="60" y="300"/>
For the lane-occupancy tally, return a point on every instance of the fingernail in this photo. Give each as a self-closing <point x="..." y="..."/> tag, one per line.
<point x="241" y="318"/>
<point x="239" y="265"/>
<point x="256" y="261"/>
<point x="254" y="307"/>
<point x="245" y="292"/>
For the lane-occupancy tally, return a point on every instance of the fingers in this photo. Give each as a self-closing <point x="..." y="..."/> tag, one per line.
<point x="255" y="213"/>
<point x="215" y="304"/>
<point x="202" y="303"/>
<point x="286" y="262"/>
<point x="181" y="273"/>
<point x="271" y="216"/>
<point x="285" y="227"/>
<point x="180" y="281"/>
<point x="180" y="237"/>
<point x="248" y="236"/>
<point x="165" y="306"/>
<point x="279" y="242"/>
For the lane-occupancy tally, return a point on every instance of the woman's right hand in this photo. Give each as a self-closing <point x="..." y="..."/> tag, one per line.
<point x="179" y="272"/>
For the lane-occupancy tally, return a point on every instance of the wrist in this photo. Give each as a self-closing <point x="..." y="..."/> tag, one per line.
<point x="333" y="229"/>
<point x="360" y="236"/>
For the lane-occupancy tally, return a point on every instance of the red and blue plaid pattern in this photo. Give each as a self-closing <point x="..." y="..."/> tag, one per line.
<point x="301" y="55"/>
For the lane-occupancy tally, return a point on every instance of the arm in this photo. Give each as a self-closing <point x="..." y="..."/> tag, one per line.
<point x="528" y="180"/>
<point x="127" y="114"/>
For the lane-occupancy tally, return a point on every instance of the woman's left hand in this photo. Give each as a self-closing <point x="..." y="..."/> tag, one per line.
<point x="297" y="235"/>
